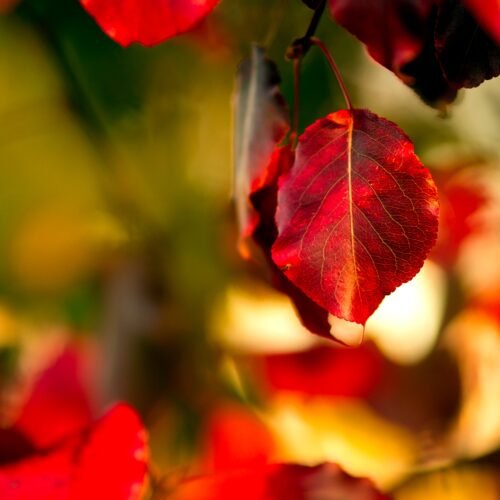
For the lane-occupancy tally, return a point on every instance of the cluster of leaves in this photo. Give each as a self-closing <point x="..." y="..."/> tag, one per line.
<point x="340" y="217"/>
<point x="54" y="448"/>
<point x="351" y="213"/>
<point x="356" y="211"/>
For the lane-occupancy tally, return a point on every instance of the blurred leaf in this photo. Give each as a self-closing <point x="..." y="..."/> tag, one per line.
<point x="467" y="55"/>
<point x="110" y="457"/>
<point x="148" y="23"/>
<point x="261" y="122"/>
<point x="235" y="437"/>
<point x="59" y="401"/>
<point x="488" y="14"/>
<point x="324" y="371"/>
<point x="278" y="482"/>
<point x="474" y="338"/>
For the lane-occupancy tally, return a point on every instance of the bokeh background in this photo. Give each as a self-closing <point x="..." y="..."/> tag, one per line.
<point x="120" y="279"/>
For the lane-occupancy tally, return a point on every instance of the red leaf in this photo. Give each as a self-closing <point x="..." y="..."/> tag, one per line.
<point x="357" y="213"/>
<point x="399" y="34"/>
<point x="261" y="122"/>
<point x="148" y="22"/>
<point x="113" y="457"/>
<point x="461" y="198"/>
<point x="58" y="404"/>
<point x="392" y="30"/>
<point x="466" y="54"/>
<point x="487" y="13"/>
<point x="279" y="482"/>
<point x="424" y="73"/>
<point x="108" y="460"/>
<point x="326" y="371"/>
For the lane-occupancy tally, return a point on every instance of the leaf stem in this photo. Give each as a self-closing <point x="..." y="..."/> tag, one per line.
<point x="297" y="50"/>
<point x="334" y="67"/>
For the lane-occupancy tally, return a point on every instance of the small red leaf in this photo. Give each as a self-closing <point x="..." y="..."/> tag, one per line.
<point x="357" y="214"/>
<point x="148" y="22"/>
<point x="487" y="13"/>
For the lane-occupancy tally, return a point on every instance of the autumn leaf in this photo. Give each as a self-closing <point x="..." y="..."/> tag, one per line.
<point x="59" y="403"/>
<point x="357" y="213"/>
<point x="424" y="74"/>
<point x="435" y="47"/>
<point x="279" y="482"/>
<point x="148" y="22"/>
<point x="405" y="44"/>
<point x="393" y="30"/>
<point x="107" y="459"/>
<point x="467" y="55"/>
<point x="487" y="13"/>
<point x="261" y="122"/>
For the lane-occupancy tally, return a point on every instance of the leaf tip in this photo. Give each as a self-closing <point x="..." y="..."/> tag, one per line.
<point x="346" y="332"/>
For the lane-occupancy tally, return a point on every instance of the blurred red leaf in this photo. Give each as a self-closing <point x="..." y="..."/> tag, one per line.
<point x="58" y="404"/>
<point x="279" y="482"/>
<point x="7" y="5"/>
<point x="107" y="460"/>
<point x="424" y="73"/>
<point x="325" y="371"/>
<point x="357" y="213"/>
<point x="460" y="199"/>
<point x="261" y="122"/>
<point x="434" y="46"/>
<point x="467" y="55"/>
<point x="148" y="22"/>
<point x="487" y="13"/>
<point x="234" y="437"/>
<point x="392" y="30"/>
